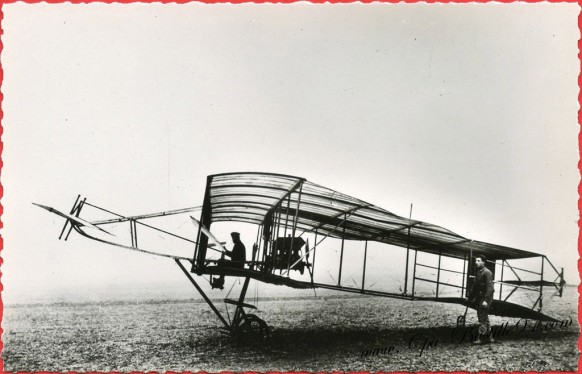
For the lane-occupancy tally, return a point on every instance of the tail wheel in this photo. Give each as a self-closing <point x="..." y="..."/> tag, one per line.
<point x="252" y="327"/>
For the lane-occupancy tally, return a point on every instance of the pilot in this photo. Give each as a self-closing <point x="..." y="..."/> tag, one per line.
<point x="482" y="295"/>
<point x="238" y="253"/>
<point x="237" y="256"/>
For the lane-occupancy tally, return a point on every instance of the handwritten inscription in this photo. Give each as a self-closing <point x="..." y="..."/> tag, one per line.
<point x="419" y="343"/>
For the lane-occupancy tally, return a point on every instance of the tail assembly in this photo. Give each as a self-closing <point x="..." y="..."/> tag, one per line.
<point x="72" y="218"/>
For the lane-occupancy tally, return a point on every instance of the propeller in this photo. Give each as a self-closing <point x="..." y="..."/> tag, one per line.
<point x="207" y="232"/>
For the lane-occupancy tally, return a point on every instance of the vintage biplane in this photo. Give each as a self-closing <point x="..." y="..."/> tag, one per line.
<point x="297" y="222"/>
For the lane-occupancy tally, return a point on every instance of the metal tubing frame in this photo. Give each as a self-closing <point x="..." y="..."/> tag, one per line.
<point x="554" y="283"/>
<point x="438" y="275"/>
<point x="258" y="239"/>
<point x="469" y="272"/>
<point x="447" y="270"/>
<point x="349" y="212"/>
<point x="313" y="262"/>
<point x="276" y="226"/>
<point x="267" y="237"/>
<point x="294" y="226"/>
<point x="539" y="299"/>
<point x="72" y="212"/>
<point x="316" y="243"/>
<point x="464" y="275"/>
<point x="501" y="283"/>
<point x="562" y="281"/>
<point x="208" y="301"/>
<point x="513" y="271"/>
<point x="414" y="273"/>
<point x="136" y="220"/>
<point x="511" y="293"/>
<point x="435" y="247"/>
<point x="542" y="284"/>
<point x="364" y="270"/>
<point x="339" y="279"/>
<point x="201" y="240"/>
<point x="513" y="268"/>
<point x="81" y="205"/>
<point x="239" y="308"/>
<point x="407" y="254"/>
<point x="437" y="283"/>
<point x="517" y="286"/>
<point x="539" y="290"/>
<point x="287" y="215"/>
<point x="77" y="211"/>
<point x="289" y="192"/>
<point x="133" y="233"/>
<point x="439" y="269"/>
<point x="258" y="244"/>
<point x="553" y="267"/>
<point x="144" y="216"/>
<point x="363" y="292"/>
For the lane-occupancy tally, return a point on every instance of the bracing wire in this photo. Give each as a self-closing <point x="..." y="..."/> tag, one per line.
<point x="256" y="300"/>
<point x="227" y="313"/>
<point x="231" y="287"/>
<point x="226" y="297"/>
<point x="254" y="293"/>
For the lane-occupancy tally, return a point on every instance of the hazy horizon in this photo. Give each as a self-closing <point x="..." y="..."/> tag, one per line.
<point x="468" y="111"/>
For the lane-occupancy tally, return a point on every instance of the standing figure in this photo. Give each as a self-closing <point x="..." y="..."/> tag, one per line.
<point x="482" y="296"/>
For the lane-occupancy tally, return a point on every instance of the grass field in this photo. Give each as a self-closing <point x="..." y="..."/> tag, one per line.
<point x="309" y="334"/>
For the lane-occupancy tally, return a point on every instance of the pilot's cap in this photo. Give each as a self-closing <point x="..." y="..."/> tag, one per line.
<point x="235" y="234"/>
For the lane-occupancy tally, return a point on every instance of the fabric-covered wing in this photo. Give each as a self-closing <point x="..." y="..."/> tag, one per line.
<point x="250" y="197"/>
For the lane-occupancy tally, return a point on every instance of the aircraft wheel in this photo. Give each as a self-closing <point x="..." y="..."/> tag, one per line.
<point x="252" y="328"/>
<point x="461" y="321"/>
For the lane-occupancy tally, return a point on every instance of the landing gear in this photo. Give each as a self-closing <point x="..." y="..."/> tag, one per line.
<point x="251" y="327"/>
<point x="248" y="327"/>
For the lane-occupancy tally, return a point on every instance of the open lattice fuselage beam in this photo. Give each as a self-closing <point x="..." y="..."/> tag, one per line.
<point x="290" y="212"/>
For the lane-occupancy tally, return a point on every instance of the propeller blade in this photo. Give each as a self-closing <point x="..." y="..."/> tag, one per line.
<point x="208" y="234"/>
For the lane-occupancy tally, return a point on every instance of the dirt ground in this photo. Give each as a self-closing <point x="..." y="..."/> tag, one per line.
<point x="310" y="334"/>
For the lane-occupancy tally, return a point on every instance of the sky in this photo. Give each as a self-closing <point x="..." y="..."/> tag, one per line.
<point x="466" y="111"/>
